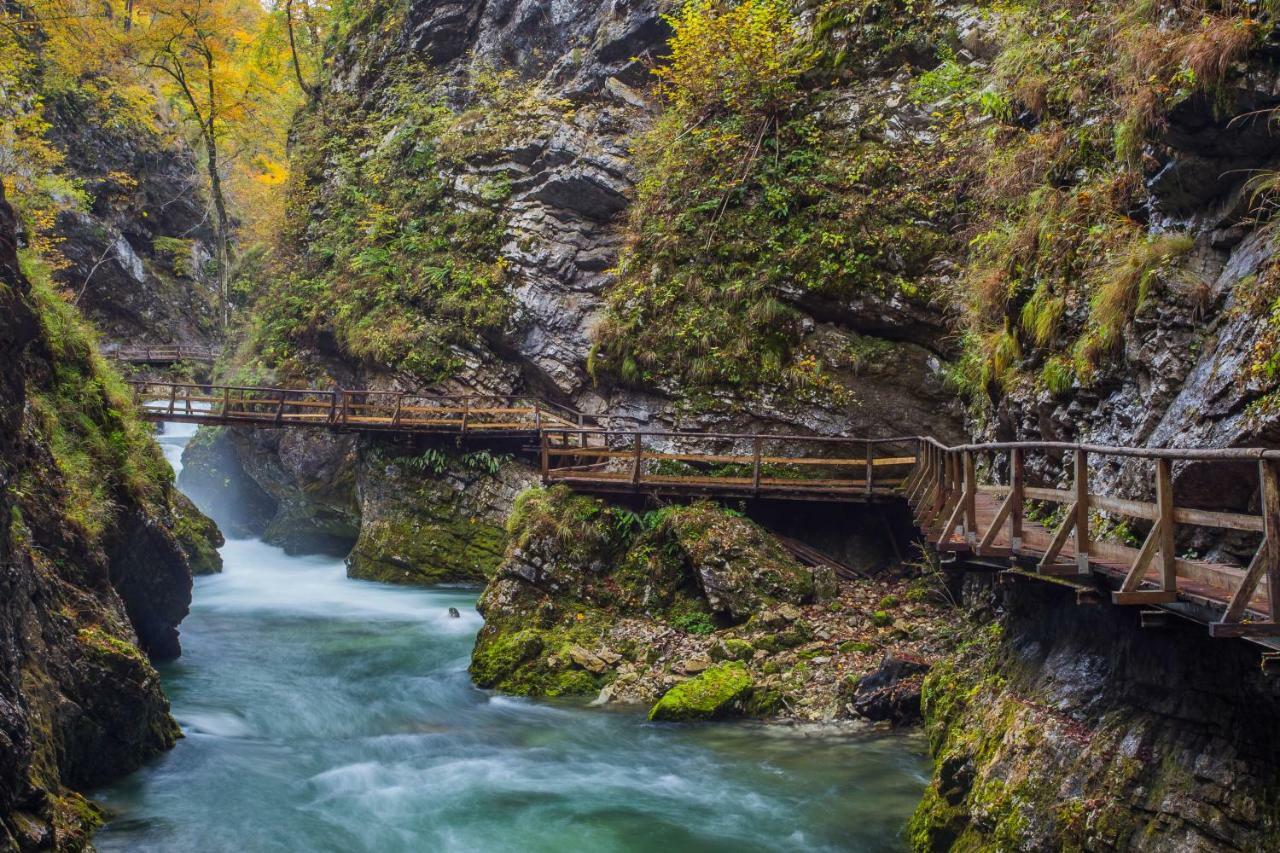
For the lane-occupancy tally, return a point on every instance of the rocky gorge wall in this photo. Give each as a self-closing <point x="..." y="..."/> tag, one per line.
<point x="1060" y="727"/>
<point x="95" y="572"/>
<point x="1036" y="222"/>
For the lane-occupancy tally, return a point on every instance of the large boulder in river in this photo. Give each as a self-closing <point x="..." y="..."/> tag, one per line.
<point x="739" y="566"/>
<point x="575" y="564"/>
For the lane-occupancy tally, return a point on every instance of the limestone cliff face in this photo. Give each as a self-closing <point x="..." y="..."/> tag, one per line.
<point x="506" y="128"/>
<point x="139" y="255"/>
<point x="1070" y="728"/>
<point x="93" y="571"/>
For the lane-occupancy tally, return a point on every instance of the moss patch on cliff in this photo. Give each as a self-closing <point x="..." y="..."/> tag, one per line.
<point x="432" y="517"/>
<point x="1052" y="734"/>
<point x="1061" y="256"/>
<point x="383" y="253"/>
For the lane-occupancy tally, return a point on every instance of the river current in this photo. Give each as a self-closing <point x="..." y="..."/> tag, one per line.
<point x="328" y="714"/>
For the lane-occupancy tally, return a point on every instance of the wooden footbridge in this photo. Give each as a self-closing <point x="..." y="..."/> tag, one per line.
<point x="1027" y="509"/>
<point x="161" y="353"/>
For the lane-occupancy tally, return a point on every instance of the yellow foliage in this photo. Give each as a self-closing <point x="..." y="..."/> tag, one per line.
<point x="743" y="57"/>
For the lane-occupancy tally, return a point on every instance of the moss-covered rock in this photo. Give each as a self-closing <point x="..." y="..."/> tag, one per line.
<point x="718" y="692"/>
<point x="198" y="535"/>
<point x="1071" y="729"/>
<point x="433" y="517"/>
<point x="575" y="565"/>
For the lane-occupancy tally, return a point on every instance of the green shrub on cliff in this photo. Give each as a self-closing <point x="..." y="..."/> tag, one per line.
<point x="85" y="415"/>
<point x="1059" y="263"/>
<point x="755" y="195"/>
<point x="382" y="251"/>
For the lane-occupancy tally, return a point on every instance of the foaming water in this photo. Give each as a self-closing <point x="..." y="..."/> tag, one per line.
<point x="327" y="714"/>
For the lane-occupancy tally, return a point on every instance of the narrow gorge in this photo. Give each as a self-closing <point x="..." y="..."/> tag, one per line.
<point x="639" y="425"/>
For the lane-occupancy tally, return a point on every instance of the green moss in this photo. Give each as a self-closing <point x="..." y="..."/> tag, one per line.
<point x="732" y="648"/>
<point x="382" y="250"/>
<point x="796" y="633"/>
<point x="881" y="618"/>
<point x="857" y="647"/>
<point x="198" y="536"/>
<point x="497" y="656"/>
<point x="110" y="649"/>
<point x="714" y="693"/>
<point x="84" y="413"/>
<point x="176" y="253"/>
<point x="745" y="202"/>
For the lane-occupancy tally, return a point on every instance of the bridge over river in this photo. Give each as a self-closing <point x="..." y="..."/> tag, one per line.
<point x="1024" y="509"/>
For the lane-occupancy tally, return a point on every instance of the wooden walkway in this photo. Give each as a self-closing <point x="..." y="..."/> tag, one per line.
<point x="162" y="354"/>
<point x="357" y="411"/>
<point x="974" y="503"/>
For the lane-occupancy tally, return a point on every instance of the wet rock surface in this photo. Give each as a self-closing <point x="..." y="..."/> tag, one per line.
<point x="1064" y="727"/>
<point x="80" y="702"/>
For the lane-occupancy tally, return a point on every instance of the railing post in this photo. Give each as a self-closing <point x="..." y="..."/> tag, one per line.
<point x="544" y="454"/>
<point x="395" y="417"/>
<point x="466" y="412"/>
<point x="280" y="405"/>
<point x="638" y="462"/>
<point x="970" y="500"/>
<point x="1016" y="500"/>
<point x="755" y="463"/>
<point x="333" y="406"/>
<point x="1270" y="484"/>
<point x="870" y="469"/>
<point x="582" y="436"/>
<point x="1082" y="511"/>
<point x="173" y="398"/>
<point x="226" y="402"/>
<point x="1164" y="512"/>
<point x="346" y="407"/>
<point x="537" y="414"/>
<point x="944" y="482"/>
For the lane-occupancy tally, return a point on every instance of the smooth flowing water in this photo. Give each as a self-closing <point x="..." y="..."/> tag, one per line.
<point x="327" y="714"/>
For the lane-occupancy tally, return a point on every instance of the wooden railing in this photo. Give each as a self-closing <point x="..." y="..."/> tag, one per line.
<point x="961" y="513"/>
<point x="726" y="464"/>
<point x="162" y="353"/>
<point x="390" y="411"/>
<point x="1025" y="504"/>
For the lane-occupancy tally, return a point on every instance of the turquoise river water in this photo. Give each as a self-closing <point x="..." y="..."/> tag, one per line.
<point x="327" y="714"/>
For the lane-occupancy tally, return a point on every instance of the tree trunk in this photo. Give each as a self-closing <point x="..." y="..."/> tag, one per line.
<point x="219" y="201"/>
<point x="293" y="51"/>
<point x="223" y="230"/>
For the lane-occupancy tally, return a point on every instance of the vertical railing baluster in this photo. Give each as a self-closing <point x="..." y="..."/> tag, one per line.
<point x="638" y="462"/>
<point x="970" y="524"/>
<point x="755" y="463"/>
<point x="1016" y="484"/>
<point x="1270" y="485"/>
<point x="1164" y="511"/>
<point x="1082" y="511"/>
<point x="870" y="469"/>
